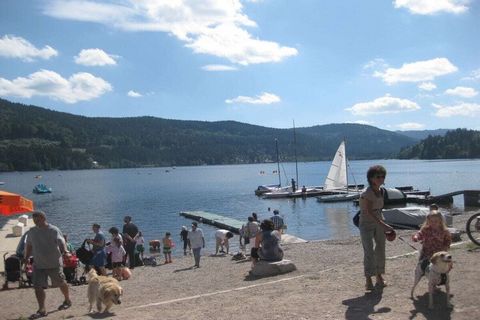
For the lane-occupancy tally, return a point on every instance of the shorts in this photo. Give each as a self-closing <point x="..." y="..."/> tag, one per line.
<point x="40" y="277"/>
<point x="140" y="248"/>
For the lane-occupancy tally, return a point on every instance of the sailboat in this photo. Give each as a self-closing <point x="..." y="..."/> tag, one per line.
<point x="336" y="186"/>
<point x="336" y="182"/>
<point x="262" y="189"/>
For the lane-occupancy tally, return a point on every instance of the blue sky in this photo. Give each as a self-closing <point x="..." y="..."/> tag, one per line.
<point x="397" y="65"/>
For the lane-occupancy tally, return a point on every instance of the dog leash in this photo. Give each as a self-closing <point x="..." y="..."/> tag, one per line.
<point x="404" y="241"/>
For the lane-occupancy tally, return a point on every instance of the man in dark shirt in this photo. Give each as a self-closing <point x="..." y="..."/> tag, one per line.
<point x="130" y="230"/>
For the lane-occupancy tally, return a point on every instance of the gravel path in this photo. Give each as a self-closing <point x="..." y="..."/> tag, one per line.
<point x="327" y="285"/>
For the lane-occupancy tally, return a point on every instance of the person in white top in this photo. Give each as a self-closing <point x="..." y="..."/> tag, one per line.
<point x="221" y="240"/>
<point x="140" y="244"/>
<point x="196" y="242"/>
<point x="118" y="254"/>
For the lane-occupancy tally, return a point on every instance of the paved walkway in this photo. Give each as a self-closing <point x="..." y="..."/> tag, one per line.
<point x="8" y="242"/>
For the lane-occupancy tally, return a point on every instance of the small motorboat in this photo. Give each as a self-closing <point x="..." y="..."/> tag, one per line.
<point x="339" y="197"/>
<point x="410" y="217"/>
<point x="42" y="188"/>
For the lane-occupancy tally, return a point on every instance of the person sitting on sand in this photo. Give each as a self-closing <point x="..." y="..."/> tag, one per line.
<point x="268" y="242"/>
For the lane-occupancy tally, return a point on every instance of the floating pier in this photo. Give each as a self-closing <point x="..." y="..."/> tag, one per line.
<point x="229" y="224"/>
<point x="214" y="219"/>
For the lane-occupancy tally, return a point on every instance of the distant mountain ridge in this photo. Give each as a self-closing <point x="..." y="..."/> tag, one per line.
<point x="422" y="134"/>
<point x="34" y="138"/>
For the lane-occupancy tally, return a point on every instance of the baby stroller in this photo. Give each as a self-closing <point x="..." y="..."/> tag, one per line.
<point x="84" y="256"/>
<point x="14" y="271"/>
<point x="70" y="264"/>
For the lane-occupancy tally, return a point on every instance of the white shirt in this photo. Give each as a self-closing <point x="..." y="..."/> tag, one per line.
<point x="196" y="238"/>
<point x="221" y="234"/>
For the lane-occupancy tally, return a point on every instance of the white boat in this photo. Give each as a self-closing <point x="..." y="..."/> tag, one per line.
<point x="349" y="196"/>
<point x="410" y="217"/>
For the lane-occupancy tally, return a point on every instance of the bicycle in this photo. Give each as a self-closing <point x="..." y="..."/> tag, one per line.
<point x="473" y="228"/>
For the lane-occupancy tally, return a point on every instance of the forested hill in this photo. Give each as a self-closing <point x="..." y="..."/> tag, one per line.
<point x="456" y="144"/>
<point x="34" y="138"/>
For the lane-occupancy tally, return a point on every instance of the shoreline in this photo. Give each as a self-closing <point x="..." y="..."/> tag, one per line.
<point x="328" y="284"/>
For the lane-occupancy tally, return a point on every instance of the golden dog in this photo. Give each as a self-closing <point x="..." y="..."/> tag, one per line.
<point x="154" y="245"/>
<point x="104" y="290"/>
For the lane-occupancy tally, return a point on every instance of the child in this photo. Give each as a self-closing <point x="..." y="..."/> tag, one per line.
<point x="118" y="253"/>
<point x="140" y="242"/>
<point x="433" y="235"/>
<point x="167" y="248"/>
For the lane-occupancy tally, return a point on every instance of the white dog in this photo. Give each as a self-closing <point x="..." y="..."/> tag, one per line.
<point x="104" y="290"/>
<point x="437" y="274"/>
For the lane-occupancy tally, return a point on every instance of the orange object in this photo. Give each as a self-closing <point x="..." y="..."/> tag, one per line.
<point x="12" y="203"/>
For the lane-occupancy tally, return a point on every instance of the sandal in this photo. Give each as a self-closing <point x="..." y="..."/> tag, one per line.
<point x="39" y="314"/>
<point x="65" y="305"/>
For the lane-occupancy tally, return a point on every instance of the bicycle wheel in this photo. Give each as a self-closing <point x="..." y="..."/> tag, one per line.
<point x="473" y="228"/>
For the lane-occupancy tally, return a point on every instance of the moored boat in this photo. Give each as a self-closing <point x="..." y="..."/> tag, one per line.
<point x="41" y="188"/>
<point x="410" y="217"/>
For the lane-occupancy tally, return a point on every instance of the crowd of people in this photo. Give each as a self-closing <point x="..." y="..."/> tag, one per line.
<point x="48" y="245"/>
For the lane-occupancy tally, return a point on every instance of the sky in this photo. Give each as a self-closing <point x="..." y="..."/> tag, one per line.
<point x="394" y="64"/>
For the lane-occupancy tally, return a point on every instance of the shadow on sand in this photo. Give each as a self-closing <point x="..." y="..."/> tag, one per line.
<point x="439" y="311"/>
<point x="361" y="308"/>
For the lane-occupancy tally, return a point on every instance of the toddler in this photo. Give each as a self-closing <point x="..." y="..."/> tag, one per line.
<point x="118" y="254"/>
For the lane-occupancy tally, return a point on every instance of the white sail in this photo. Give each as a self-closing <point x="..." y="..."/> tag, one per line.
<point x="337" y="176"/>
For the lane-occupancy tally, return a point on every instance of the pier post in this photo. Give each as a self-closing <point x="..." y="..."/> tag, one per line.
<point x="471" y="198"/>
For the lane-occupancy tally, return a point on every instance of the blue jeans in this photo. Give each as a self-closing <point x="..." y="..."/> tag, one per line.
<point x="196" y="255"/>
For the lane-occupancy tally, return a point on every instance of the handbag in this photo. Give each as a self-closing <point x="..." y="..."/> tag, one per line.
<point x="83" y="254"/>
<point x="356" y="219"/>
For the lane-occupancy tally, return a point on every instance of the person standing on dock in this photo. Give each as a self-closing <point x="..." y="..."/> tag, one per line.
<point x="45" y="242"/>
<point x="130" y="230"/>
<point x="196" y="242"/>
<point x="373" y="228"/>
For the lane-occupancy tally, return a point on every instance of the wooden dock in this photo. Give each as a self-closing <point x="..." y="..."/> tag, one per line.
<point x="229" y="224"/>
<point x="214" y="219"/>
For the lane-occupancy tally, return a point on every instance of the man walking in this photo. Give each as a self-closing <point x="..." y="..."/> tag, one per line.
<point x="130" y="230"/>
<point x="196" y="242"/>
<point x="45" y="242"/>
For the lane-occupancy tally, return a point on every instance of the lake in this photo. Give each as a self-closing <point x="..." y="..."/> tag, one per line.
<point x="155" y="196"/>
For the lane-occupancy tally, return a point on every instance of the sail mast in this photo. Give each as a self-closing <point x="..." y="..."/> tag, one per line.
<point x="295" y="148"/>
<point x="278" y="165"/>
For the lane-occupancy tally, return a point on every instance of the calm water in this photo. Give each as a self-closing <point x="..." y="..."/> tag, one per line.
<point x="154" y="197"/>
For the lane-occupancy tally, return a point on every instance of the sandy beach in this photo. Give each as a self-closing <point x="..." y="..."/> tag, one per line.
<point x="328" y="284"/>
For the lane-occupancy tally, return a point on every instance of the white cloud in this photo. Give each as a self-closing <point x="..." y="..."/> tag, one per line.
<point x="365" y="122"/>
<point x="134" y="94"/>
<point x="417" y="71"/>
<point x="461" y="109"/>
<point x="219" y="67"/>
<point x="427" y="7"/>
<point x="19" y="48"/>
<point x="79" y="87"/>
<point x="427" y="86"/>
<point x="410" y="126"/>
<point x="382" y="105"/>
<point x="377" y="63"/>
<point x="214" y="27"/>
<point x="264" y="98"/>
<point x="463" y="92"/>
<point x="474" y="75"/>
<point x="95" y="57"/>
